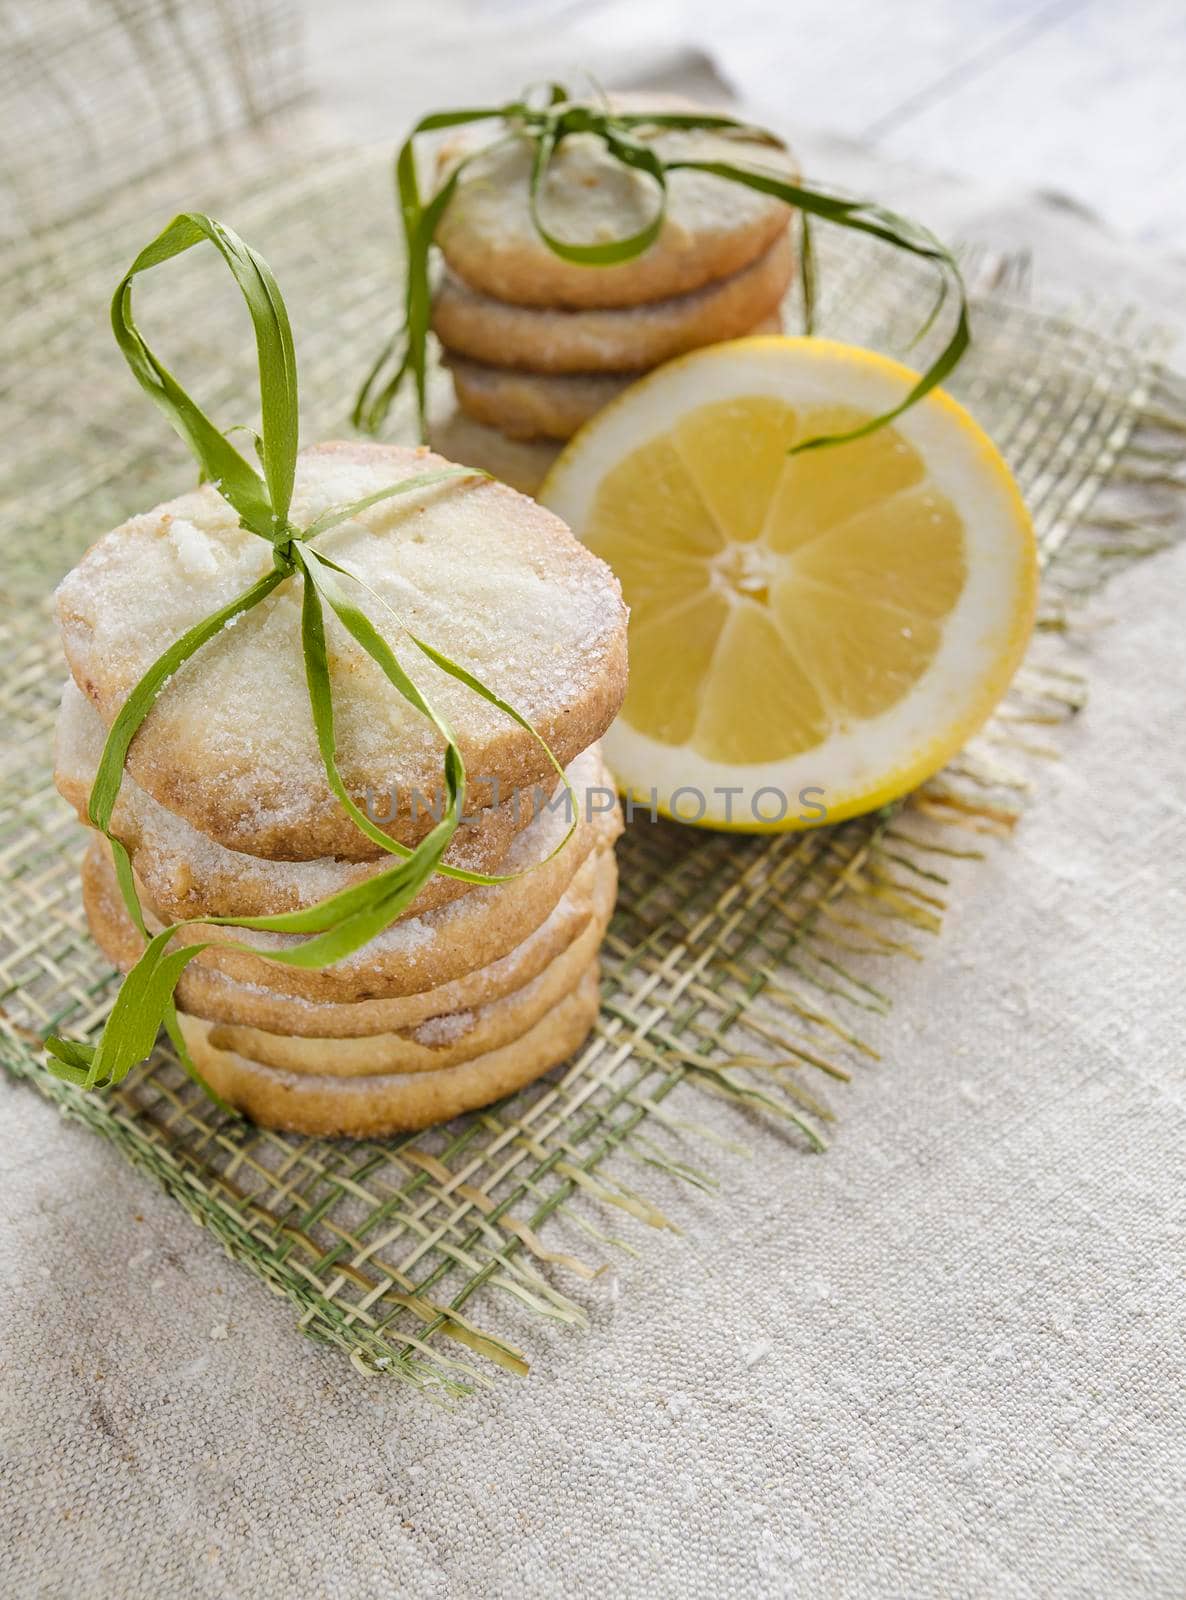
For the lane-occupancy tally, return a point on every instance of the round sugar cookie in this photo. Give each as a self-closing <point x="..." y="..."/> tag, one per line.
<point x="206" y="992"/>
<point x="440" y="1042"/>
<point x="185" y="874"/>
<point x="627" y="339"/>
<point x="482" y="573"/>
<point x="392" y="1103"/>
<point x="532" y="405"/>
<point x="423" y="952"/>
<point x="713" y="227"/>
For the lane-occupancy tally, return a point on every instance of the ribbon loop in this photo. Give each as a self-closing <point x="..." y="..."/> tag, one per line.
<point x="262" y="502"/>
<point x="546" y="127"/>
<point x="343" y="922"/>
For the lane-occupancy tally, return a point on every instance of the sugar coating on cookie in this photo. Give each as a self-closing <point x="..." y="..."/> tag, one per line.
<point x="484" y="574"/>
<point x="389" y="1103"/>
<point x="544" y="405"/>
<point x="186" y="874"/>
<point x="439" y="1041"/>
<point x="611" y="339"/>
<point x="206" y="992"/>
<point x="533" y="405"/>
<point x="422" y="952"/>
<point x="712" y="228"/>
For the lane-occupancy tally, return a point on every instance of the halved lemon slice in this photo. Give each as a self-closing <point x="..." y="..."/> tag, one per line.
<point x="810" y="636"/>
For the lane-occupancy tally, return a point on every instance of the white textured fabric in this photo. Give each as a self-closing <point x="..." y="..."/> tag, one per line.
<point x="943" y="1360"/>
<point x="964" y="1321"/>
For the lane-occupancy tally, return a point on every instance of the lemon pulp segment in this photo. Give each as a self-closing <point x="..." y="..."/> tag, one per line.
<point x="775" y="598"/>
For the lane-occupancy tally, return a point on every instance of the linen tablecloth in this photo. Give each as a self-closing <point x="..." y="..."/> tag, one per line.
<point x="943" y="1359"/>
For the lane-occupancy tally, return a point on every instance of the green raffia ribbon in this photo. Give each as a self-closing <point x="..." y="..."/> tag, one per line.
<point x="547" y="121"/>
<point x="345" y="921"/>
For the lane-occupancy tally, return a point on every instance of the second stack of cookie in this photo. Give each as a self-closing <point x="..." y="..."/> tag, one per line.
<point x="536" y="343"/>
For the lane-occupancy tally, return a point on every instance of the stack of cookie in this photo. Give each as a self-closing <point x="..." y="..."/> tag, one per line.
<point x="536" y="343"/>
<point x="225" y="809"/>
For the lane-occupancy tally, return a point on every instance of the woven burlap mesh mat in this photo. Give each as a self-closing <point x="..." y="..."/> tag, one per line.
<point x="742" y="966"/>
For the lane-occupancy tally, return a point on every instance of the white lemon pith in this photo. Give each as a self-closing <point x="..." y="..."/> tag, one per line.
<point x="811" y="636"/>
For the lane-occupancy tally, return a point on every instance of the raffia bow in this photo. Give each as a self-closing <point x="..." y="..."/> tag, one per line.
<point x="345" y="921"/>
<point x="547" y="123"/>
